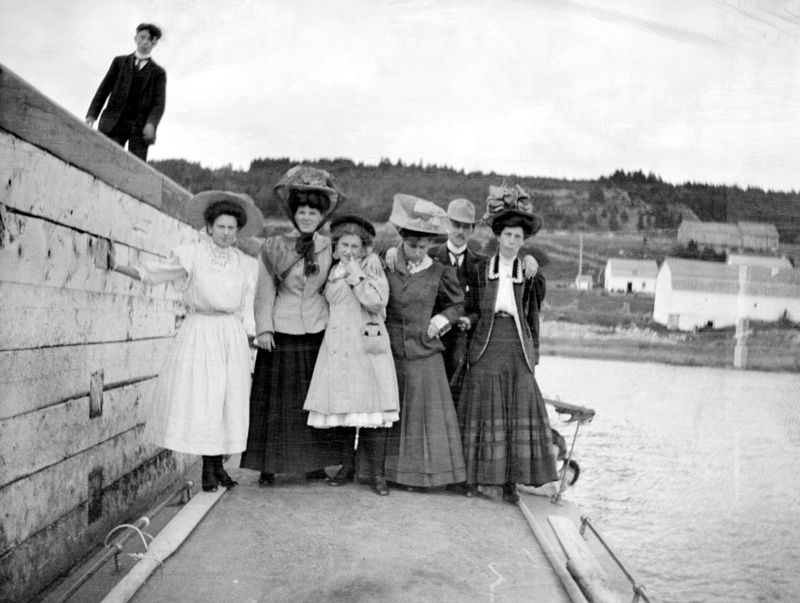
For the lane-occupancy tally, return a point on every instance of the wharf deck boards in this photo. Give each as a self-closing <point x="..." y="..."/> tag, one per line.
<point x="33" y="317"/>
<point x="40" y="377"/>
<point x="37" y="183"/>
<point x="39" y="252"/>
<point x="43" y="557"/>
<point x="67" y="429"/>
<point x="59" y="489"/>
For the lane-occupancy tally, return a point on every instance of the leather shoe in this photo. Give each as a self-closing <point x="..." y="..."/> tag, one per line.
<point x="510" y="493"/>
<point x="381" y="489"/>
<point x="341" y="478"/>
<point x="266" y="479"/>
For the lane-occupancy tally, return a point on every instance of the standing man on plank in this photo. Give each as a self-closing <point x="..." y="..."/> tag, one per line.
<point x="136" y="91"/>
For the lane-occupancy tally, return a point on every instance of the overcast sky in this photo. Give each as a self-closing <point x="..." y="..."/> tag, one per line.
<point x="702" y="90"/>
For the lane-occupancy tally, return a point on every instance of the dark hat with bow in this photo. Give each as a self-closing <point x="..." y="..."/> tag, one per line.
<point x="507" y="204"/>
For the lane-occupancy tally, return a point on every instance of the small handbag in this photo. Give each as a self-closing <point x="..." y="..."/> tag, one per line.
<point x="371" y="339"/>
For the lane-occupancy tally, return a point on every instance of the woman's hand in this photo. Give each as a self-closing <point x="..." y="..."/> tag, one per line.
<point x="373" y="265"/>
<point x="436" y="325"/>
<point x="390" y="259"/>
<point x="352" y="267"/>
<point x="265" y="341"/>
<point x="464" y="323"/>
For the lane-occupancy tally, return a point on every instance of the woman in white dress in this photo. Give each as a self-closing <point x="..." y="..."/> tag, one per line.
<point x="354" y="384"/>
<point x="200" y="404"/>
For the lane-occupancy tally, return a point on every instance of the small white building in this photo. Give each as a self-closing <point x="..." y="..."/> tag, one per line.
<point x="631" y="276"/>
<point x="584" y="282"/>
<point x="691" y="294"/>
<point x="765" y="261"/>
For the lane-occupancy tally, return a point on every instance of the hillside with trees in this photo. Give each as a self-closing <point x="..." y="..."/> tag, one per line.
<point x="626" y="202"/>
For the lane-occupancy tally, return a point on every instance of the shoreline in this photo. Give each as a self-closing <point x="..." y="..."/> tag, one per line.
<point x="767" y="352"/>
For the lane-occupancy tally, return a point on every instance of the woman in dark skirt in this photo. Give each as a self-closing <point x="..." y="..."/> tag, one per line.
<point x="291" y="315"/>
<point x="502" y="414"/>
<point x="425" y="299"/>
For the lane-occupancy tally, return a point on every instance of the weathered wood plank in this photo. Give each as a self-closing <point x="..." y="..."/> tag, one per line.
<point x="35" y="182"/>
<point x="33" y="117"/>
<point x="582" y="563"/>
<point x="68" y="430"/>
<point x="56" y="490"/>
<point x="32" y="317"/>
<point x="40" y="377"/>
<point x="39" y="252"/>
<point x="33" y="565"/>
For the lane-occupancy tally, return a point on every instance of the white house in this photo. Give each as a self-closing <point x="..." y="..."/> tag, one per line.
<point x="584" y="282"/>
<point x="692" y="294"/>
<point x="631" y="276"/>
<point x="765" y="261"/>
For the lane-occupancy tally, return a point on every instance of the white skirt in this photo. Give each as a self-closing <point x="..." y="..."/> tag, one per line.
<point x="353" y="419"/>
<point x="201" y="400"/>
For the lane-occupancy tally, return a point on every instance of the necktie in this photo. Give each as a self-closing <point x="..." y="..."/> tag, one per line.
<point x="141" y="63"/>
<point x="456" y="259"/>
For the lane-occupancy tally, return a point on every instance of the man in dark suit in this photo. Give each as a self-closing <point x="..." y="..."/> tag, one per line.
<point x="455" y="253"/>
<point x="136" y="91"/>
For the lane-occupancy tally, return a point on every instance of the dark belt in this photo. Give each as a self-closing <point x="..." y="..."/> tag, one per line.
<point x="502" y="314"/>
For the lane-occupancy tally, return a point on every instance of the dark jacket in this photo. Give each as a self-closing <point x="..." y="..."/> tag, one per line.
<point x="440" y="254"/>
<point x="116" y="86"/>
<point x="481" y="300"/>
<point x="413" y="300"/>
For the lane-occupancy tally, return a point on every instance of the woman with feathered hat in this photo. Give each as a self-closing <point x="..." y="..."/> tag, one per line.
<point x="291" y="315"/>
<point x="202" y="390"/>
<point x="503" y="419"/>
<point x="425" y="300"/>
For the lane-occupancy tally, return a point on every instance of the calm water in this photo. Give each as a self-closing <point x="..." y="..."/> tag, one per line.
<point x="692" y="474"/>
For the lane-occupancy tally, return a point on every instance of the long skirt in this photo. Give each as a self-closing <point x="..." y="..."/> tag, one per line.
<point x="279" y="440"/>
<point x="200" y="398"/>
<point x="503" y="419"/>
<point x="424" y="448"/>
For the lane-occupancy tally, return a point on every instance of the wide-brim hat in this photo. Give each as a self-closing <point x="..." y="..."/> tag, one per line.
<point x="530" y="223"/>
<point x="504" y="203"/>
<point x="353" y="219"/>
<point x="418" y="215"/>
<point x="195" y="207"/>
<point x="304" y="178"/>
<point x="461" y="210"/>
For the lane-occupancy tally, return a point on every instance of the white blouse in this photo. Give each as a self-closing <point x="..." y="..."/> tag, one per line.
<point x="505" y="289"/>
<point x="212" y="279"/>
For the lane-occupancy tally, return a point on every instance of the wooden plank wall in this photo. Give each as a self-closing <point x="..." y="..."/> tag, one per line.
<point x="79" y="346"/>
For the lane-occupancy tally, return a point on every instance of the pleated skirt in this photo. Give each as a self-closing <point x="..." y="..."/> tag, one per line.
<point x="199" y="405"/>
<point x="502" y="415"/>
<point x="424" y="447"/>
<point x="279" y="439"/>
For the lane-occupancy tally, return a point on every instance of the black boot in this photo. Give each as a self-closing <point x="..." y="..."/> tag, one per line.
<point x="222" y="476"/>
<point x="209" y="481"/>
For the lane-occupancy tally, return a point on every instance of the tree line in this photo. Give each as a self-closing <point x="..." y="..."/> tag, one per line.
<point x="629" y="201"/>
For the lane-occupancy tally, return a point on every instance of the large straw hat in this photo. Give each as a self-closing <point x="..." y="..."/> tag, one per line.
<point x="418" y="215"/>
<point x="195" y="207"/>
